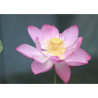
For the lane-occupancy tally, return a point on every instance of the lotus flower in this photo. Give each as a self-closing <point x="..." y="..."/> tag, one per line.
<point x="61" y="49"/>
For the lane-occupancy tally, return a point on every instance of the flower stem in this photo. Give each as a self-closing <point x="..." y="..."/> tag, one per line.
<point x="54" y="76"/>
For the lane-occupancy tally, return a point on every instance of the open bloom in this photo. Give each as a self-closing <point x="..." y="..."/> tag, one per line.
<point x="63" y="50"/>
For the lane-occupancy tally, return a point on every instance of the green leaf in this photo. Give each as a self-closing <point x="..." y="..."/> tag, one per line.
<point x="1" y="46"/>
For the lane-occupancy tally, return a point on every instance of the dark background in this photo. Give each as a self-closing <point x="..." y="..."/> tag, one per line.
<point x="15" y="68"/>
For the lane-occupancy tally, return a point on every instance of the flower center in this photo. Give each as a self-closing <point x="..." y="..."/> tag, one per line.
<point x="55" y="43"/>
<point x="55" y="40"/>
<point x="55" y="47"/>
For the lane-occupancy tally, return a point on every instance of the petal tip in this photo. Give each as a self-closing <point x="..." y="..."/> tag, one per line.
<point x="46" y="24"/>
<point x="53" y="26"/>
<point x="89" y="57"/>
<point x="80" y="37"/>
<point x="75" y="26"/>
<point x="33" y="72"/>
<point x="29" y="26"/>
<point x="17" y="48"/>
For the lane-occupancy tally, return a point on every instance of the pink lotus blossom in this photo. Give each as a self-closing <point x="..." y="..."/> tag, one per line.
<point x="63" y="50"/>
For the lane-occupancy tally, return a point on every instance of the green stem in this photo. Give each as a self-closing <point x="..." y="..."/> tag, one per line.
<point x="54" y="76"/>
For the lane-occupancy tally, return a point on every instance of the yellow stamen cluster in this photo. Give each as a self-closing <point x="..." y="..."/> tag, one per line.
<point x="55" y="46"/>
<point x="55" y="40"/>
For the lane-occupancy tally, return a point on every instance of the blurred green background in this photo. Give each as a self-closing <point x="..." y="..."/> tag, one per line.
<point x="15" y="68"/>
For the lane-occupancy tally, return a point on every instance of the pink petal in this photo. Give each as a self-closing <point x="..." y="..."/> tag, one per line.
<point x="40" y="58"/>
<point x="41" y="67"/>
<point x="31" y="52"/>
<point x="45" y="27"/>
<point x="70" y="55"/>
<point x="69" y="50"/>
<point x="76" y="63"/>
<point x="35" y="32"/>
<point x="57" y="62"/>
<point x="54" y="58"/>
<point x="28" y="57"/>
<point x="63" y="71"/>
<point x="49" y="31"/>
<point x="78" y="43"/>
<point x="38" y="46"/>
<point x="70" y="35"/>
<point x="80" y="57"/>
<point x="54" y="61"/>
<point x="43" y="44"/>
<point x="61" y="36"/>
<point x="27" y="50"/>
<point x="54" y="32"/>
